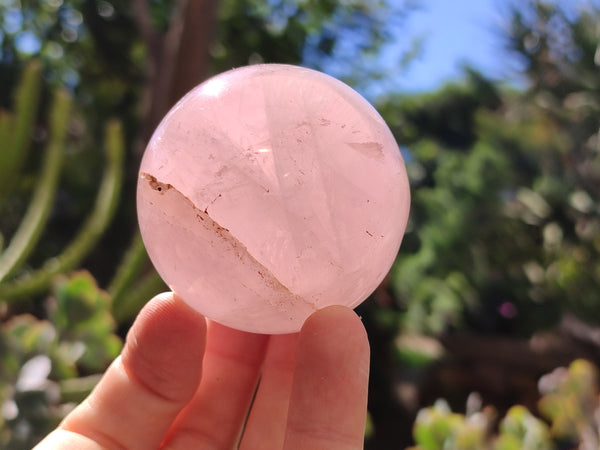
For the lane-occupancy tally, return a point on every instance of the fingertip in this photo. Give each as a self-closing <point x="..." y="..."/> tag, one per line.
<point x="168" y="311"/>
<point x="169" y="305"/>
<point x="337" y="320"/>
<point x="148" y="385"/>
<point x="334" y="312"/>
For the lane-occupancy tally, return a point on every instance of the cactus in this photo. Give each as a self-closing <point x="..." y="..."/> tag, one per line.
<point x="127" y="291"/>
<point x="29" y="231"/>
<point x="16" y="129"/>
<point x="136" y="296"/>
<point x="37" y="214"/>
<point x="130" y="289"/>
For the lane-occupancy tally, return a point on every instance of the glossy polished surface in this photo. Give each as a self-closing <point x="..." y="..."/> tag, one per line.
<point x="269" y="192"/>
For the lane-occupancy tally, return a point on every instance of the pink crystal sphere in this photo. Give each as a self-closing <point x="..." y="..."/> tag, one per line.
<point x="269" y="192"/>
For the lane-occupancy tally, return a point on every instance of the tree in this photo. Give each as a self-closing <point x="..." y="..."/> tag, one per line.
<point x="504" y="206"/>
<point x="502" y="247"/>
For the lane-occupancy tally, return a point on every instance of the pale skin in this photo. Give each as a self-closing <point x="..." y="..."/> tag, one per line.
<point x="184" y="382"/>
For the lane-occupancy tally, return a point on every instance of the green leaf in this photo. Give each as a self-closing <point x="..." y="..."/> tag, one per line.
<point x="508" y="442"/>
<point x="532" y="433"/>
<point x="76" y="300"/>
<point x="435" y="426"/>
<point x="86" y="328"/>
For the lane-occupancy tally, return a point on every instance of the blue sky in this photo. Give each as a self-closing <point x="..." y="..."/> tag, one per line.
<point x="455" y="32"/>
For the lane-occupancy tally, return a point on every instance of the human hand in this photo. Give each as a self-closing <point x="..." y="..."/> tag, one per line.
<point x="183" y="382"/>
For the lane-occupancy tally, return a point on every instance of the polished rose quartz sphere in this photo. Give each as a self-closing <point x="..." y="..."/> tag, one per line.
<point x="269" y="192"/>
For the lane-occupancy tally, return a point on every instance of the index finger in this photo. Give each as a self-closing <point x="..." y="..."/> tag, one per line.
<point x="142" y="392"/>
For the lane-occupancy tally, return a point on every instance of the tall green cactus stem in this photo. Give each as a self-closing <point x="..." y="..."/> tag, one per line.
<point x="6" y="133"/>
<point x="32" y="225"/>
<point x="134" y="262"/>
<point x="132" y="300"/>
<point x="90" y="232"/>
<point x="16" y="131"/>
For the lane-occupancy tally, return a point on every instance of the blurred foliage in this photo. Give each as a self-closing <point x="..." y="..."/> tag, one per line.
<point x="46" y="364"/>
<point x="503" y="234"/>
<point x="13" y="283"/>
<point x="570" y="401"/>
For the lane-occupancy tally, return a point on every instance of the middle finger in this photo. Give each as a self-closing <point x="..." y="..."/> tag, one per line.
<point x="215" y="415"/>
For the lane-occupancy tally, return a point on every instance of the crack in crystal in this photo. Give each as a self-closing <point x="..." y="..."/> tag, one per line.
<point x="225" y="235"/>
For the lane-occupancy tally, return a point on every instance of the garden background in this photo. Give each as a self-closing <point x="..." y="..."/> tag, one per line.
<point x="493" y="302"/>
